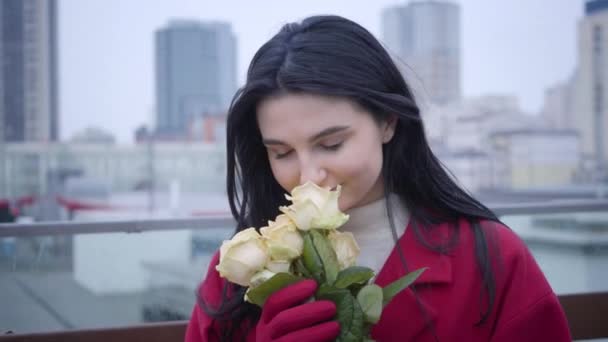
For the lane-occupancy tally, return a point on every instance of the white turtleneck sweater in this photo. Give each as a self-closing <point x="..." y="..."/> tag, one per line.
<point x="372" y="230"/>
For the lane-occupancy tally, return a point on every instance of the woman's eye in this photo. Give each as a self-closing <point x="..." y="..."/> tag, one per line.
<point x="332" y="147"/>
<point x="281" y="155"/>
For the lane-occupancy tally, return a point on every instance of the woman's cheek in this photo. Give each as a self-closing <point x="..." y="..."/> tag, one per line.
<point x="284" y="175"/>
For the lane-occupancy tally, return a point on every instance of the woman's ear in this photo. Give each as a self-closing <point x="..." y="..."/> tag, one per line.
<point x="388" y="128"/>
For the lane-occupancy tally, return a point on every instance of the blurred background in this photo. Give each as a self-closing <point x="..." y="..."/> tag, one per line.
<point x="113" y="112"/>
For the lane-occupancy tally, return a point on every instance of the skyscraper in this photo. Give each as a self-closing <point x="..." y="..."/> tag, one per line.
<point x="591" y="84"/>
<point x="425" y="35"/>
<point x="28" y="70"/>
<point x="195" y="73"/>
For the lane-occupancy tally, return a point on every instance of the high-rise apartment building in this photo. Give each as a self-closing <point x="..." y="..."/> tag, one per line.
<point x="425" y="35"/>
<point x="591" y="84"/>
<point x="195" y="73"/>
<point x="28" y="71"/>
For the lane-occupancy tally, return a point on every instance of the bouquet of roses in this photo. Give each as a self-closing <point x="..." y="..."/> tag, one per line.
<point x="304" y="242"/>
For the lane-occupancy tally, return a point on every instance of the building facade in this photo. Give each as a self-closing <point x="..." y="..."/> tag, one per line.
<point x="195" y="73"/>
<point x="32" y="167"/>
<point x="28" y="71"/>
<point x="535" y="158"/>
<point x="591" y="85"/>
<point x="557" y="110"/>
<point x="424" y="38"/>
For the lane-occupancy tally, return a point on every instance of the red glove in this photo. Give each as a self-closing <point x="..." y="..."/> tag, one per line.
<point x="287" y="317"/>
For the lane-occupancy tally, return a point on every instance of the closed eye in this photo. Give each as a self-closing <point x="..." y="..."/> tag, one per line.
<point x="333" y="147"/>
<point x="282" y="155"/>
<point x="330" y="148"/>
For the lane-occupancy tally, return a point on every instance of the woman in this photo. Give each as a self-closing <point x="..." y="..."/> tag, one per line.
<point x="324" y="102"/>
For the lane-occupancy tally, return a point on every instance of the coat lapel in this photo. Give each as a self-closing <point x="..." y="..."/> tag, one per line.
<point x="406" y="316"/>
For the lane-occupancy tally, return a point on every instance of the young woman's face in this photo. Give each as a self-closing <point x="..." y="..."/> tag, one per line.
<point x="328" y="141"/>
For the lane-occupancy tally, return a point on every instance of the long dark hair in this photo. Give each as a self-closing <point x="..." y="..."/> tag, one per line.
<point x="333" y="56"/>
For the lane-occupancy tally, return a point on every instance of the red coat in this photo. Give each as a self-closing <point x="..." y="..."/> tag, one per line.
<point x="525" y="307"/>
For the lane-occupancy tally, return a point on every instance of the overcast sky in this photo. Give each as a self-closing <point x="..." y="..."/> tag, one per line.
<point x="517" y="47"/>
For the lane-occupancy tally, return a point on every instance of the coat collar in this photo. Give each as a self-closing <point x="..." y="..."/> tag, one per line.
<point x="439" y="266"/>
<point x="405" y="310"/>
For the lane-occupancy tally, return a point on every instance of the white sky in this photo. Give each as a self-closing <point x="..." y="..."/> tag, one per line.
<point x="106" y="51"/>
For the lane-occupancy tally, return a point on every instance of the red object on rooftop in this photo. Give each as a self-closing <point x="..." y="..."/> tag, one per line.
<point x="7" y="213"/>
<point x="27" y="200"/>
<point x="73" y="205"/>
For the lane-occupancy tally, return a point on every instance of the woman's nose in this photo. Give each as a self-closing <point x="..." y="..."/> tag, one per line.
<point x="312" y="173"/>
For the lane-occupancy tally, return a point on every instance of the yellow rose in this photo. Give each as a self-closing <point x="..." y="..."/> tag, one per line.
<point x="261" y="277"/>
<point x="345" y="246"/>
<point x="278" y="266"/>
<point x="314" y="207"/>
<point x="283" y="239"/>
<point x="242" y="257"/>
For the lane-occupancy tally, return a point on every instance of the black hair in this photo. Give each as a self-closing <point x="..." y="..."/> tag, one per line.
<point x="333" y="56"/>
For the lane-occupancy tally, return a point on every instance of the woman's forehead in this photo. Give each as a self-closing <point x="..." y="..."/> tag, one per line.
<point x="305" y="112"/>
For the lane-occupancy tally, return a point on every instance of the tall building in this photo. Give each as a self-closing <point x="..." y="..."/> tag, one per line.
<point x="28" y="70"/>
<point x="591" y="85"/>
<point x="195" y="73"/>
<point x="425" y="35"/>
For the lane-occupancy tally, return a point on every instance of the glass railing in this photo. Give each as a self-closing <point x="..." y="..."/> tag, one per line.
<point x="568" y="240"/>
<point x="58" y="276"/>
<point x="85" y="275"/>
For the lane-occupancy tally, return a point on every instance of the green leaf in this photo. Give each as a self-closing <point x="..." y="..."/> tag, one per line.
<point x="348" y="313"/>
<point x="370" y="300"/>
<point x="299" y="268"/>
<point x="259" y="294"/>
<point x="353" y="275"/>
<point x="355" y="288"/>
<point x="311" y="259"/>
<point x="327" y="254"/>
<point x="325" y="291"/>
<point x="392" y="289"/>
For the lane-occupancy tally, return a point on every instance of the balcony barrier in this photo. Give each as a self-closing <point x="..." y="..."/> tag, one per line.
<point x="587" y="313"/>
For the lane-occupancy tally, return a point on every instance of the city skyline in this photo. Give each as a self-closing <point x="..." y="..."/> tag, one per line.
<point x="106" y="52"/>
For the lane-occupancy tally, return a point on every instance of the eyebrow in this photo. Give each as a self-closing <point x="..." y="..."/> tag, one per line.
<point x="323" y="133"/>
